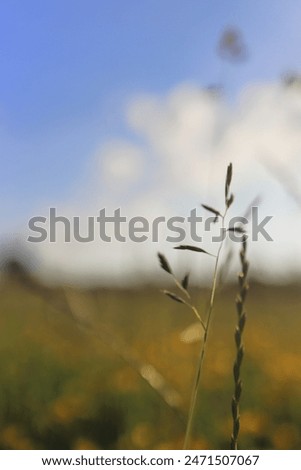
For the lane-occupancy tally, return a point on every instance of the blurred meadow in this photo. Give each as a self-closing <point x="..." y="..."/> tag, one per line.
<point x="107" y="368"/>
<point x="141" y="106"/>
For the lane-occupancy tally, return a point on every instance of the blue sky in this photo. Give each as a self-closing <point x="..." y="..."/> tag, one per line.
<point x="69" y="68"/>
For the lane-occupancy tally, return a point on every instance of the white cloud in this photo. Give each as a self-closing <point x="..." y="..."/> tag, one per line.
<point x="189" y="137"/>
<point x="121" y="163"/>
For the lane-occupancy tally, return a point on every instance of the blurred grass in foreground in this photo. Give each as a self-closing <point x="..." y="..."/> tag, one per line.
<point x="74" y="384"/>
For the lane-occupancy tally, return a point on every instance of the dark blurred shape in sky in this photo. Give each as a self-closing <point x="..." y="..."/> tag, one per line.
<point x="231" y="46"/>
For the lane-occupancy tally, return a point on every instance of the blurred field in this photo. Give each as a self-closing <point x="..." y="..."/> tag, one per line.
<point x="72" y="364"/>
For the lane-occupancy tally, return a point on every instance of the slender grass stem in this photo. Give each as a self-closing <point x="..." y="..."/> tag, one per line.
<point x="199" y="367"/>
<point x="179" y="285"/>
<point x="229" y="197"/>
<point x="189" y="304"/>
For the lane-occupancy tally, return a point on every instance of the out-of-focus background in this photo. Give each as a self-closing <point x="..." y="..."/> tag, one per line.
<point x="141" y="106"/>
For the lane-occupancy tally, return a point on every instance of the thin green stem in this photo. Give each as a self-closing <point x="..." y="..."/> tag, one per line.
<point x="189" y="304"/>
<point x="179" y="285"/>
<point x="195" y="311"/>
<point x="204" y="344"/>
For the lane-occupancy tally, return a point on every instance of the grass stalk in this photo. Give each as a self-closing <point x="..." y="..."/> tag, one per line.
<point x="204" y="343"/>
<point x="241" y="314"/>
<point x="183" y="287"/>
